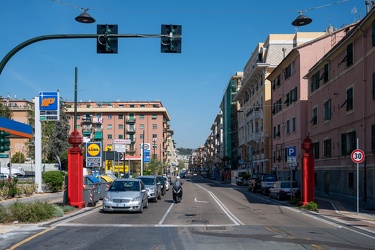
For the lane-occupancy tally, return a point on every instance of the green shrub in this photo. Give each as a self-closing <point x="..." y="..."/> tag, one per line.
<point x="31" y="212"/>
<point x="312" y="206"/>
<point x="68" y="209"/>
<point x="53" y="180"/>
<point x="3" y="215"/>
<point x="58" y="211"/>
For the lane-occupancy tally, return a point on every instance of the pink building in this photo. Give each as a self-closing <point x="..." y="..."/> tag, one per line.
<point x="140" y="122"/>
<point x="290" y="120"/>
<point x="341" y="111"/>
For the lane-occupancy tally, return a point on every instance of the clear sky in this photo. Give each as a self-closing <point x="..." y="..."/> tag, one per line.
<point x="218" y="39"/>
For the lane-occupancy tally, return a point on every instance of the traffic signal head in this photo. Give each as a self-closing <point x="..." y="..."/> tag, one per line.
<point x="171" y="38"/>
<point x="4" y="141"/>
<point x="106" y="44"/>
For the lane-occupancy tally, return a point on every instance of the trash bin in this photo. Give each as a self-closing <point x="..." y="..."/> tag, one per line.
<point x="94" y="183"/>
<point x="88" y="196"/>
<point x="105" y="182"/>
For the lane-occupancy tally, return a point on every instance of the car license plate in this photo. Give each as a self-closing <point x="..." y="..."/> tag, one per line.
<point x="119" y="205"/>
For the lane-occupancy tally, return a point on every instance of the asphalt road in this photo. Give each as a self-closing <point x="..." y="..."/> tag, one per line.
<point x="210" y="216"/>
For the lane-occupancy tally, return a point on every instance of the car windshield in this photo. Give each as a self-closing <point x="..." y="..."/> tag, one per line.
<point x="270" y="178"/>
<point x="148" y="181"/>
<point x="123" y="186"/>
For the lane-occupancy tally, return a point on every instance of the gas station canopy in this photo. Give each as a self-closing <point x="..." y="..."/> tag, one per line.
<point x="16" y="129"/>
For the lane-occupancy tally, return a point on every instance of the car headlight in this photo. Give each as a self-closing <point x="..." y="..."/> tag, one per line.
<point x="138" y="198"/>
<point x="107" y="198"/>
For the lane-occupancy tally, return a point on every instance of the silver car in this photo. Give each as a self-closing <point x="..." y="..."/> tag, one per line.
<point x="153" y="186"/>
<point x="126" y="195"/>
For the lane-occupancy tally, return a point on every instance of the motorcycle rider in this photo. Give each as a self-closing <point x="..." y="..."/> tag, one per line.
<point x="178" y="184"/>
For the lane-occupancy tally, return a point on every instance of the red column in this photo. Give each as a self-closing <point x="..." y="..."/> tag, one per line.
<point x="308" y="191"/>
<point x="75" y="171"/>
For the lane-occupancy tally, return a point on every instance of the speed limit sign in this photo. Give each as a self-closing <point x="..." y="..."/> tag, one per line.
<point x="358" y="156"/>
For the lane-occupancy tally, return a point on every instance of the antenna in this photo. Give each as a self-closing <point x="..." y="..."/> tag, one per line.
<point x="302" y="20"/>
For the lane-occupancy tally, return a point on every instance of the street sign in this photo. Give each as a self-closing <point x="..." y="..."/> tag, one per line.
<point x="49" y="105"/>
<point x="358" y="156"/>
<point x="93" y="154"/>
<point x="291" y="154"/>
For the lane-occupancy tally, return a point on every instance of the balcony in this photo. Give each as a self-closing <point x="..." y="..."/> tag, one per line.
<point x="86" y="120"/>
<point x="130" y="131"/>
<point x="98" y="120"/>
<point x="255" y="114"/>
<point x="86" y="130"/>
<point x="130" y="120"/>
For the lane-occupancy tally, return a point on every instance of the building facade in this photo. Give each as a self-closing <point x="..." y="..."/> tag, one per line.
<point x="342" y="96"/>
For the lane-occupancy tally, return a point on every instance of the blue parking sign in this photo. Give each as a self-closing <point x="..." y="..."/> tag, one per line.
<point x="292" y="152"/>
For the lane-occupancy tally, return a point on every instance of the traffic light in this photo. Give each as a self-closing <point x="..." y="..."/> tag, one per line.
<point x="4" y="141"/>
<point x="171" y="38"/>
<point x="109" y="164"/>
<point x="107" y="44"/>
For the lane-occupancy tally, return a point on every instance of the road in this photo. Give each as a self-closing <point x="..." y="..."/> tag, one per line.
<point x="210" y="216"/>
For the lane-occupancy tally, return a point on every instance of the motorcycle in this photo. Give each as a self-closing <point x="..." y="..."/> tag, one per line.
<point x="177" y="194"/>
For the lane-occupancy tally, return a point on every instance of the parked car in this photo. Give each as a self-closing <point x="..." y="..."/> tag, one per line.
<point x="182" y="174"/>
<point x="163" y="188"/>
<point x="266" y="182"/>
<point x="284" y="189"/>
<point x="254" y="182"/>
<point x="153" y="187"/>
<point x="126" y="195"/>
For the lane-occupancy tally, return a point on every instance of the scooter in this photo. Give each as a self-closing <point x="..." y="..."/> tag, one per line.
<point x="177" y="194"/>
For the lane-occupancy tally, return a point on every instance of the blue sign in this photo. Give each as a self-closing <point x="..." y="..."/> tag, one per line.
<point x="292" y="152"/>
<point x="49" y="106"/>
<point x="146" y="152"/>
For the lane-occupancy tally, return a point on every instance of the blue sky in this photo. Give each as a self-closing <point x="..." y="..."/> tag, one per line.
<point x="218" y="39"/>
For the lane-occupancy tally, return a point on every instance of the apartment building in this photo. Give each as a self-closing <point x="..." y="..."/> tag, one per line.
<point x="254" y="99"/>
<point x="22" y="111"/>
<point x="290" y="104"/>
<point x="341" y="111"/>
<point x="139" y="122"/>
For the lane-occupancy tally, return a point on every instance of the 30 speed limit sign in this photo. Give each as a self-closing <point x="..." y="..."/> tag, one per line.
<point x="358" y="156"/>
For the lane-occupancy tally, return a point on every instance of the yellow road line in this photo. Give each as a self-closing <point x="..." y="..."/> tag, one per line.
<point x="30" y="238"/>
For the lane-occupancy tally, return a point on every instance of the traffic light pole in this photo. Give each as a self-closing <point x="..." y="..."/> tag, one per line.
<point x="11" y="53"/>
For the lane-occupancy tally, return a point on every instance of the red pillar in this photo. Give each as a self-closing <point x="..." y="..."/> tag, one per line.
<point x="308" y="191"/>
<point x="75" y="171"/>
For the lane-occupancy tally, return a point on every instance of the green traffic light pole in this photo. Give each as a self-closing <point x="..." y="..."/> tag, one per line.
<point x="11" y="53"/>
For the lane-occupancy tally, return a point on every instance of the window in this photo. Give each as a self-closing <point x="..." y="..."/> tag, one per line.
<point x="327" y="110"/>
<point x="288" y="71"/>
<point x="288" y="126"/>
<point x="349" y="100"/>
<point x="325" y="74"/>
<point x="142" y="106"/>
<point x="327" y="148"/>
<point x="121" y="105"/>
<point x="314" y="85"/>
<point x="373" y="33"/>
<point x="120" y="136"/>
<point x="141" y="116"/>
<point x="154" y="116"/>
<point x="373" y="138"/>
<point x="349" y="55"/>
<point x="154" y="126"/>
<point x="293" y="124"/>
<point x="294" y="94"/>
<point x="287" y="99"/>
<point x="278" y="130"/>
<point x="348" y="143"/>
<point x="154" y="136"/>
<point x="88" y="106"/>
<point x="274" y="132"/>
<point x="131" y="106"/>
<point x="314" y="119"/>
<point x="120" y="126"/>
<point x="109" y="136"/>
<point x="109" y="117"/>
<point x="373" y="86"/>
<point x="141" y="126"/>
<point x="120" y="117"/>
<point x="316" y="150"/>
<point x="140" y="136"/>
<point x="109" y="126"/>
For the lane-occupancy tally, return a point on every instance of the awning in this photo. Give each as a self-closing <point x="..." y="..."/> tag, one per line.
<point x="16" y="129"/>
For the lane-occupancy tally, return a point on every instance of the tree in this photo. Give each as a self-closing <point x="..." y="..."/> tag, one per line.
<point x="18" y="157"/>
<point x="5" y="111"/>
<point x="57" y="133"/>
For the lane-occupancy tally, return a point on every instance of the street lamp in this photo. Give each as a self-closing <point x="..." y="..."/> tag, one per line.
<point x="85" y="17"/>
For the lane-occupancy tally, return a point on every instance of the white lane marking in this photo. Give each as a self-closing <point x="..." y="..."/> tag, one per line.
<point x="230" y="215"/>
<point x="165" y="215"/>
<point x="142" y="225"/>
<point x="195" y="199"/>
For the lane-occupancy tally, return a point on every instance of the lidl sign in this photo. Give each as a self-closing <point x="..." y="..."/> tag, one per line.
<point x="49" y="105"/>
<point x="93" y="154"/>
